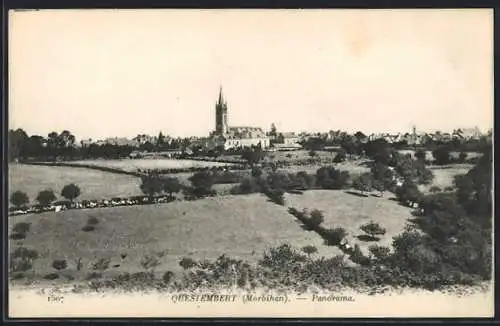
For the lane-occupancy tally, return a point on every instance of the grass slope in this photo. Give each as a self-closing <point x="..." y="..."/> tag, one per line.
<point x="349" y="211"/>
<point x="93" y="184"/>
<point x="239" y="226"/>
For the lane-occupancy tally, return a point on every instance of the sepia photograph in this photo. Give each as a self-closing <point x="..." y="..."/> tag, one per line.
<point x="250" y="163"/>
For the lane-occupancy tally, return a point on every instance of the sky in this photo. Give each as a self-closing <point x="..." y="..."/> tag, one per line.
<point x="106" y="73"/>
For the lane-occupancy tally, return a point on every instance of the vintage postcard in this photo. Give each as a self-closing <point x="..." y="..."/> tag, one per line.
<point x="250" y="163"/>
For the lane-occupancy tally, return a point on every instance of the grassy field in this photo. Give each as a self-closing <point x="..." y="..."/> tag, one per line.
<point x="430" y="157"/>
<point x="239" y="226"/>
<point x="134" y="164"/>
<point x="94" y="184"/>
<point x="349" y="211"/>
<point x="444" y="176"/>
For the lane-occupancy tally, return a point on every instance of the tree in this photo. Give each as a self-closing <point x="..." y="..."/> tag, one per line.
<point x="273" y="130"/>
<point x="373" y="230"/>
<point x="363" y="183"/>
<point x="442" y="155"/>
<point x="327" y="177"/>
<point x="341" y="156"/>
<point x="17" y="142"/>
<point x="316" y="218"/>
<point x="151" y="185"/>
<point x="462" y="157"/>
<point x="360" y="136"/>
<point x="46" y="197"/>
<point x="253" y="155"/>
<point x="171" y="186"/>
<point x="19" y="199"/>
<point x="408" y="193"/>
<point x="256" y="172"/>
<point x="383" y="177"/>
<point x="202" y="183"/>
<point x="420" y="155"/>
<point x="70" y="191"/>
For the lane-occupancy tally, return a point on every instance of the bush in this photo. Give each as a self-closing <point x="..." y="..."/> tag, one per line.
<point x="276" y="196"/>
<point x="316" y="218"/>
<point x="333" y="237"/>
<point x="24" y="253"/>
<point x="59" y="264"/>
<point x="101" y="265"/>
<point x="435" y="189"/>
<point x="379" y="252"/>
<point x="92" y="221"/>
<point x="373" y="229"/>
<point x="256" y="172"/>
<point x="330" y="178"/>
<point x="51" y="276"/>
<point x="310" y="249"/>
<point x="442" y="155"/>
<point x="88" y="228"/>
<point x="21" y="228"/>
<point x="149" y="262"/>
<point x="187" y="263"/>
<point x="20" y="265"/>
<point x="358" y="257"/>
<point x="168" y="277"/>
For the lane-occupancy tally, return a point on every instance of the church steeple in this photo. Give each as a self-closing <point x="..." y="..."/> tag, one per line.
<point x="221" y="115"/>
<point x="221" y="97"/>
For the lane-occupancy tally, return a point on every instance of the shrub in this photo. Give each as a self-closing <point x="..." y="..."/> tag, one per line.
<point x="20" y="264"/>
<point x="435" y="189"/>
<point x="316" y="218"/>
<point x="340" y="157"/>
<point x="276" y="196"/>
<point x="19" y="199"/>
<point x="59" y="264"/>
<point x="373" y="229"/>
<point x="21" y="227"/>
<point x="168" y="277"/>
<point x="462" y="157"/>
<point x="442" y="155"/>
<point x="51" y="276"/>
<point x="256" y="172"/>
<point x="330" y="178"/>
<point x="149" y="262"/>
<point x="333" y="237"/>
<point x="92" y="220"/>
<point x="88" y="228"/>
<point x="363" y="183"/>
<point x="101" y="264"/>
<point x="310" y="249"/>
<point x="151" y="185"/>
<point x="171" y="186"/>
<point x="379" y="252"/>
<point x="187" y="263"/>
<point x="24" y="253"/>
<point x="358" y="257"/>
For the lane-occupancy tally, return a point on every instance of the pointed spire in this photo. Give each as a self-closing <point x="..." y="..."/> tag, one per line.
<point x="221" y="99"/>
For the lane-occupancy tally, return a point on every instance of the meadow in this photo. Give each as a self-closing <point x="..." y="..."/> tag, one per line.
<point x="350" y="211"/>
<point x="444" y="175"/>
<point x="238" y="226"/>
<point x="131" y="165"/>
<point x="94" y="184"/>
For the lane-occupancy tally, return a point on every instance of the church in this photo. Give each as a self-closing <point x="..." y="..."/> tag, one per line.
<point x="235" y="137"/>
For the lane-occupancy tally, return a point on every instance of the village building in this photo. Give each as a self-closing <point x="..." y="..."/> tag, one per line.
<point x="238" y="136"/>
